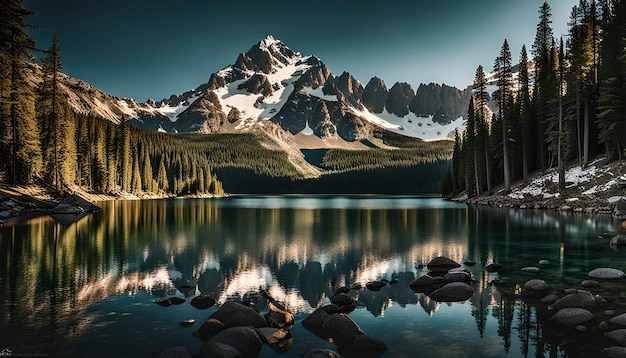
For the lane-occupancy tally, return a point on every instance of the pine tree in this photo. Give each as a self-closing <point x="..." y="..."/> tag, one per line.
<point x="611" y="102"/>
<point x="525" y="110"/>
<point x="542" y="93"/>
<point x="502" y="66"/>
<point x="481" y="97"/>
<point x="19" y="135"/>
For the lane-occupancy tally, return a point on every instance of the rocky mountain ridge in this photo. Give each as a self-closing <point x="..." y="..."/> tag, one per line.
<point x="272" y="82"/>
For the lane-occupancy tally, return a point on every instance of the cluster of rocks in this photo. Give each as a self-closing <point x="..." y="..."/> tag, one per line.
<point x="582" y="309"/>
<point x="444" y="282"/>
<point x="332" y="323"/>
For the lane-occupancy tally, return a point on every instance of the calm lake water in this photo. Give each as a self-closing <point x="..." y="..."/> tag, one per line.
<point x="87" y="288"/>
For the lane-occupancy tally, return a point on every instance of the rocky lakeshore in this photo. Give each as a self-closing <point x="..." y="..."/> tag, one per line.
<point x="594" y="189"/>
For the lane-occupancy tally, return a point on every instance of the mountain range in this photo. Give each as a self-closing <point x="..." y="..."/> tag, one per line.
<point x="271" y="86"/>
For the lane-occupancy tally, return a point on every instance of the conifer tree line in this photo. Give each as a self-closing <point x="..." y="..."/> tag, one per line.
<point x="41" y="138"/>
<point x="571" y="108"/>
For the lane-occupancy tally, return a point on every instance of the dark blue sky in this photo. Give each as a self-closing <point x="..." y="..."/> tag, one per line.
<point x="154" y="48"/>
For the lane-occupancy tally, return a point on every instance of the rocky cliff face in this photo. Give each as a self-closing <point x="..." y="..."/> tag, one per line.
<point x="375" y="95"/>
<point x="400" y="95"/>
<point x="445" y="103"/>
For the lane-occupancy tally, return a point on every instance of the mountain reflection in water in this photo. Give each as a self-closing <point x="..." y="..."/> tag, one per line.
<point x="85" y="287"/>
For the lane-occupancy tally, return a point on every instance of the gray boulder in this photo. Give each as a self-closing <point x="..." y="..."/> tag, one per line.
<point x="618" y="336"/>
<point x="230" y="314"/>
<point x="452" y="292"/>
<point x="549" y="299"/>
<point x="458" y="276"/>
<point x="615" y="351"/>
<point x="317" y="319"/>
<point x="572" y="316"/>
<point x="531" y="269"/>
<point x="427" y="283"/>
<point x="619" y="320"/>
<point x="442" y="264"/>
<point x="618" y="240"/>
<point x="606" y="273"/>
<point x="244" y="341"/>
<point x="582" y="299"/>
<point x="590" y="283"/>
<point x="536" y="285"/>
<point x="321" y="353"/>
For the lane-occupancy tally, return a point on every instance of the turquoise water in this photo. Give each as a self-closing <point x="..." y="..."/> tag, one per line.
<point x="87" y="288"/>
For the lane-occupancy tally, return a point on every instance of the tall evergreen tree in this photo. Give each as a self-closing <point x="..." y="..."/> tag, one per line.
<point x="525" y="111"/>
<point x="481" y="97"/>
<point x="19" y="135"/>
<point x="503" y="68"/>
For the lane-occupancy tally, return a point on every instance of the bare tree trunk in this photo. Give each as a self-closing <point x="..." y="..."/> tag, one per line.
<point x="586" y="133"/>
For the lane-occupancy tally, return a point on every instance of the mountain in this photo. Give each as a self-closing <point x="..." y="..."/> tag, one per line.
<point x="271" y="84"/>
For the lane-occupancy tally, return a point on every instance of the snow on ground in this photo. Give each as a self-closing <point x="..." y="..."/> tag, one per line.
<point x="126" y="110"/>
<point x="412" y="125"/>
<point x="307" y="129"/>
<point x="575" y="175"/>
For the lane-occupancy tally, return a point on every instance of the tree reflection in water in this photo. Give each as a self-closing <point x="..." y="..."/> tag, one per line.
<point x="56" y="277"/>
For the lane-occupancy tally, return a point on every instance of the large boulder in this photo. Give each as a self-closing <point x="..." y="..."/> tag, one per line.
<point x="342" y="328"/>
<point x="427" y="283"/>
<point x="618" y="336"/>
<point x="458" y="276"/>
<point x="619" y="320"/>
<point x="618" y="240"/>
<point x="452" y="292"/>
<point x="536" y="285"/>
<point x="606" y="273"/>
<point x="615" y="351"/>
<point x="442" y="264"/>
<point x="316" y="320"/>
<point x="233" y="342"/>
<point x="230" y="314"/>
<point x="581" y="299"/>
<point x="572" y="316"/>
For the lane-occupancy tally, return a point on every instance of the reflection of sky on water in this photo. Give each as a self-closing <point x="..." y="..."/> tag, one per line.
<point x="85" y="280"/>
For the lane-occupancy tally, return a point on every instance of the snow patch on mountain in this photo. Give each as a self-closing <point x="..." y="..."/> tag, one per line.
<point x="412" y="125"/>
<point x="319" y="93"/>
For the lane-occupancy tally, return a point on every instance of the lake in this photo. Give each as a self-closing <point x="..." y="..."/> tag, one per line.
<point x="87" y="288"/>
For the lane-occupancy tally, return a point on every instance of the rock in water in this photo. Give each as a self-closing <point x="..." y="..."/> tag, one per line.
<point x="536" y="285"/>
<point x="458" y="276"/>
<point x="572" y="316"/>
<point x="164" y="302"/>
<point x="347" y="303"/>
<point x="278" y="317"/>
<point x="342" y="328"/>
<point x="615" y="351"/>
<point x="442" y="264"/>
<point x="375" y="285"/>
<point x="279" y="339"/>
<point x="203" y="302"/>
<point x="619" y="320"/>
<point x="74" y="204"/>
<point x="175" y="352"/>
<point x="618" y="240"/>
<point x="187" y="323"/>
<point x="230" y="314"/>
<point x="452" y="292"/>
<point x="531" y="269"/>
<point x="321" y="353"/>
<point x="493" y="267"/>
<point x="177" y="300"/>
<point x="618" y="336"/>
<point x="582" y="299"/>
<point x="606" y="273"/>
<point x="244" y="340"/>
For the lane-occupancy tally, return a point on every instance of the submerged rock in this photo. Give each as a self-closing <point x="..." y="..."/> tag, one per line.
<point x="493" y="267"/>
<point x="175" y="352"/>
<point x="187" y="323"/>
<point x="458" y="276"/>
<point x="177" y="300"/>
<point x="278" y="317"/>
<point x="582" y="299"/>
<point x="531" y="269"/>
<point x="615" y="351"/>
<point x="278" y="339"/>
<point x="572" y="316"/>
<point x="536" y="285"/>
<point x="347" y="303"/>
<point x="606" y="273"/>
<point x="619" y="320"/>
